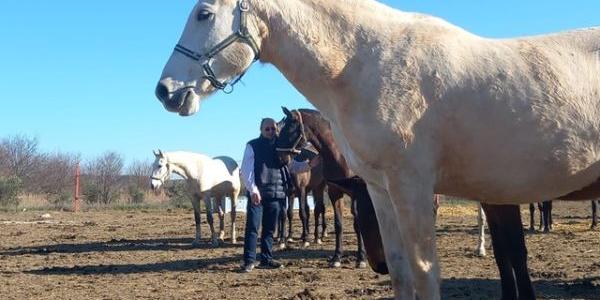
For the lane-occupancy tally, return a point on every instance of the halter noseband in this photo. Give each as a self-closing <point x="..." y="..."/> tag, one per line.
<point x="300" y="140"/>
<point x="205" y="59"/>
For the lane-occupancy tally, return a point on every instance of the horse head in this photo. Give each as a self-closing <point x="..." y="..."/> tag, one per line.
<point x="160" y="170"/>
<point x="216" y="48"/>
<point x="292" y="136"/>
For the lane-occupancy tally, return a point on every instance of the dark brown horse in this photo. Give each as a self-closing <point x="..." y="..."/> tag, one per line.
<point x="294" y="135"/>
<point x="504" y="221"/>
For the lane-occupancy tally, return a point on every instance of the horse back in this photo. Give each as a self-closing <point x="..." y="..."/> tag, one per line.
<point x="229" y="163"/>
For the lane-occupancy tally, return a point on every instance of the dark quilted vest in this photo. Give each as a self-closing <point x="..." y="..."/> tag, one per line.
<point x="268" y="170"/>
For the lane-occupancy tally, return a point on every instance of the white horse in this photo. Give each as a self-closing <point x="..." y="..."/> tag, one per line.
<point x="206" y="178"/>
<point x="417" y="106"/>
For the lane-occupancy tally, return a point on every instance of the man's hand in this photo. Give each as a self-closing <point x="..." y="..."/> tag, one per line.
<point x="255" y="199"/>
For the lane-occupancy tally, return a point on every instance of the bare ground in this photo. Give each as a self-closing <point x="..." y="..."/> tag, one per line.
<point x="146" y="254"/>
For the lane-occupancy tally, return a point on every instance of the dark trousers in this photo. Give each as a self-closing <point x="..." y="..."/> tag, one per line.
<point x="267" y="213"/>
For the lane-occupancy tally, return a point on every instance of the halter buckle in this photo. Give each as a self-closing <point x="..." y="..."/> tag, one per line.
<point x="244" y="6"/>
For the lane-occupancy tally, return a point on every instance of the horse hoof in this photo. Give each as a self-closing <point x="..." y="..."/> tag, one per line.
<point x="335" y="264"/>
<point x="325" y="234"/>
<point x="282" y="246"/>
<point x="361" y="264"/>
<point x="234" y="242"/>
<point x="319" y="242"/>
<point x="290" y="240"/>
<point x="306" y="244"/>
<point x="195" y="244"/>
<point x="215" y="243"/>
<point x="481" y="253"/>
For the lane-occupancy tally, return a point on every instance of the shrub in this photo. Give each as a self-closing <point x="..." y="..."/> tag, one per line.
<point x="10" y="189"/>
<point x="136" y="195"/>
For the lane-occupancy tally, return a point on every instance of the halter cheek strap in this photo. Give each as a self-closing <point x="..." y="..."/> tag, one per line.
<point x="300" y="140"/>
<point x="242" y="34"/>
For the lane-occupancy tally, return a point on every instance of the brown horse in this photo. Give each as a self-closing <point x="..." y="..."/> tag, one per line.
<point x="303" y="184"/>
<point x="504" y="221"/>
<point x="317" y="131"/>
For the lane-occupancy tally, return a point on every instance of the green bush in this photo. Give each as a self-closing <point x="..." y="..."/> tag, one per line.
<point x="177" y="192"/>
<point x="62" y="200"/>
<point x="10" y="189"/>
<point x="136" y="195"/>
<point x="91" y="193"/>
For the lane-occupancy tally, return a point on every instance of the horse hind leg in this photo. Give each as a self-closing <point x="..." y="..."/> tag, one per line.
<point x="481" y="219"/>
<point x="319" y="211"/>
<point x="233" y="215"/>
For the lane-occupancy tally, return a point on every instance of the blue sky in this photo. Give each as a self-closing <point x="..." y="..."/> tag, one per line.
<point x="80" y="75"/>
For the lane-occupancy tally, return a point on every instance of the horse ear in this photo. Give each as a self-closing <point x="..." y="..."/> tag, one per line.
<point x="160" y="154"/>
<point x="286" y="111"/>
<point x="156" y="153"/>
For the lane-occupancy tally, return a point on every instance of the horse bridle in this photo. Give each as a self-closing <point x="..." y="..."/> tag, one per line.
<point x="301" y="140"/>
<point x="205" y="59"/>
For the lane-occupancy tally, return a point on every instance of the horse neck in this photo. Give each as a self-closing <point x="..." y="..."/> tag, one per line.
<point x="312" y="41"/>
<point x="184" y="166"/>
<point x="319" y="134"/>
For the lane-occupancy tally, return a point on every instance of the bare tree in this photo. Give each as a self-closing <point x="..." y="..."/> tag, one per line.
<point x="139" y="171"/>
<point x="56" y="176"/>
<point x="103" y="176"/>
<point x="21" y="159"/>
<point x="3" y="161"/>
<point x="138" y="180"/>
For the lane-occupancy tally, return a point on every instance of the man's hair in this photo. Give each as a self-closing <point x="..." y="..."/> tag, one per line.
<point x="265" y="120"/>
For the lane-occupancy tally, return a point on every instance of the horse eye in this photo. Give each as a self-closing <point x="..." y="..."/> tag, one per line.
<point x="204" y="15"/>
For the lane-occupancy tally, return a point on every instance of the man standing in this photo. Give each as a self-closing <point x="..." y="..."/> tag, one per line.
<point x="265" y="179"/>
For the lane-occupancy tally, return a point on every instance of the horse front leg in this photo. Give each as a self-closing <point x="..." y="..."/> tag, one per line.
<point x="510" y="251"/>
<point x="196" y="205"/>
<point x="319" y="211"/>
<point x="594" y="213"/>
<point x="209" y="218"/>
<point x="290" y="217"/>
<point x="361" y="263"/>
<point x="338" y="208"/>
<point x="531" y="217"/>
<point x="304" y="215"/>
<point x="411" y="192"/>
<point x="281" y="225"/>
<point x="481" y="219"/>
<point x="221" y="210"/>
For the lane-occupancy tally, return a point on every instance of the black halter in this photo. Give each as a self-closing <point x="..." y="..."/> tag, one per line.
<point x="205" y="59"/>
<point x="300" y="141"/>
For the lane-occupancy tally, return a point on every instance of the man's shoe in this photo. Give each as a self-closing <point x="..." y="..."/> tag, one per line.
<point x="247" y="268"/>
<point x="270" y="265"/>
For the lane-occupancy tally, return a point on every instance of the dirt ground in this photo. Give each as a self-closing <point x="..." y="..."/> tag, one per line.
<point x="146" y="254"/>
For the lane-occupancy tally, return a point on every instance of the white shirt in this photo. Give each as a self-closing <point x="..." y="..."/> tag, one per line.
<point x="247" y="169"/>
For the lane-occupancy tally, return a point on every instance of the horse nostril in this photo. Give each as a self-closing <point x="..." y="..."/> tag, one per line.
<point x="162" y="92"/>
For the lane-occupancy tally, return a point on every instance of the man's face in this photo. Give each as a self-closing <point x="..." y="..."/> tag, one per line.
<point x="268" y="130"/>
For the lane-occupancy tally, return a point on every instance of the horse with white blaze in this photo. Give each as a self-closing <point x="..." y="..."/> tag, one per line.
<point x="417" y="105"/>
